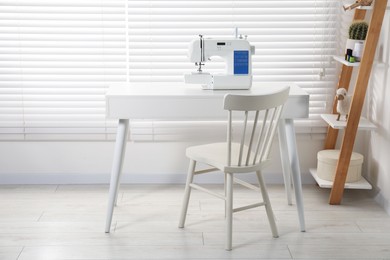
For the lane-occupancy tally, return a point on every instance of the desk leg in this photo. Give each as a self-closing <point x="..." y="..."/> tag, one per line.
<point x="296" y="172"/>
<point x="285" y="160"/>
<point x="116" y="170"/>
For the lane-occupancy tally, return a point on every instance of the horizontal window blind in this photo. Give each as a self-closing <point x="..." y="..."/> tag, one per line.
<point x="294" y="41"/>
<point x="56" y="60"/>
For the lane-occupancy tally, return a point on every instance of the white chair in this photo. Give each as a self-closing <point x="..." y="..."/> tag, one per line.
<point x="250" y="154"/>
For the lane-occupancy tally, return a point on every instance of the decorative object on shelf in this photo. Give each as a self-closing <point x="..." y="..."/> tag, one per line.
<point x="327" y="161"/>
<point x="357" y="35"/>
<point x="357" y="52"/>
<point x="357" y="4"/>
<point x="348" y="54"/>
<point x="343" y="103"/>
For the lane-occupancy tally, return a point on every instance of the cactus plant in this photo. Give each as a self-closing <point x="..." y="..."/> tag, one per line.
<point x="358" y="30"/>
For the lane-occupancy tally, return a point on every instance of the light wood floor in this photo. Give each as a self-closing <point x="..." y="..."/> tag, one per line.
<point x="67" y="222"/>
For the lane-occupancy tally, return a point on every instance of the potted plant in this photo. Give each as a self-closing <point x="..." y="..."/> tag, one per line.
<point x="357" y="35"/>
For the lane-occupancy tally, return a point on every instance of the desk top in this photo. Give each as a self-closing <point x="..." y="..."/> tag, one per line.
<point x="180" y="89"/>
<point x="180" y="101"/>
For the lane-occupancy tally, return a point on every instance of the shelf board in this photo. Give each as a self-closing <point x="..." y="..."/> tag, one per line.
<point x="342" y="60"/>
<point x="331" y="119"/>
<point x="363" y="184"/>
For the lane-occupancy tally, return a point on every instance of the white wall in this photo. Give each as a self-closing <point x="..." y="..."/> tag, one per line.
<point x="378" y="142"/>
<point x="145" y="162"/>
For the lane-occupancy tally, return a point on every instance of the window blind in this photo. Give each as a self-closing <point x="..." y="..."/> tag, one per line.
<point x="294" y="41"/>
<point x="57" y="58"/>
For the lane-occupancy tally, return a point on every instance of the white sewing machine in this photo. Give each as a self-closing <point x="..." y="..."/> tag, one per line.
<point x="236" y="52"/>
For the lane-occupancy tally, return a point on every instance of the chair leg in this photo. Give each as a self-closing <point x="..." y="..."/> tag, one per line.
<point x="229" y="210"/>
<point x="268" y="207"/>
<point x="225" y="191"/>
<point x="187" y="193"/>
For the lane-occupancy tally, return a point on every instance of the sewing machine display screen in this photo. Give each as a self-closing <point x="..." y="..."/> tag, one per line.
<point x="241" y="62"/>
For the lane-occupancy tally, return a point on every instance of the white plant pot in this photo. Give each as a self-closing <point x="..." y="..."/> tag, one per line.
<point x="350" y="44"/>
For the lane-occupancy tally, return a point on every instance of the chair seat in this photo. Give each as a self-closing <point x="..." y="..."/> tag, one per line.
<point x="215" y="154"/>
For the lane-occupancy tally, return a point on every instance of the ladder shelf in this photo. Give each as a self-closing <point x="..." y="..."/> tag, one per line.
<point x="354" y="121"/>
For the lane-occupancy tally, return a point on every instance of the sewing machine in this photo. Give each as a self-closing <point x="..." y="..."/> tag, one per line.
<point x="236" y="52"/>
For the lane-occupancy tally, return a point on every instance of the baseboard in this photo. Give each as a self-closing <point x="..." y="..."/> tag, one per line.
<point x="32" y="178"/>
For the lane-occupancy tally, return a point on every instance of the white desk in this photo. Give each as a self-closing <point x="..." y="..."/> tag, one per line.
<point x="190" y="102"/>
